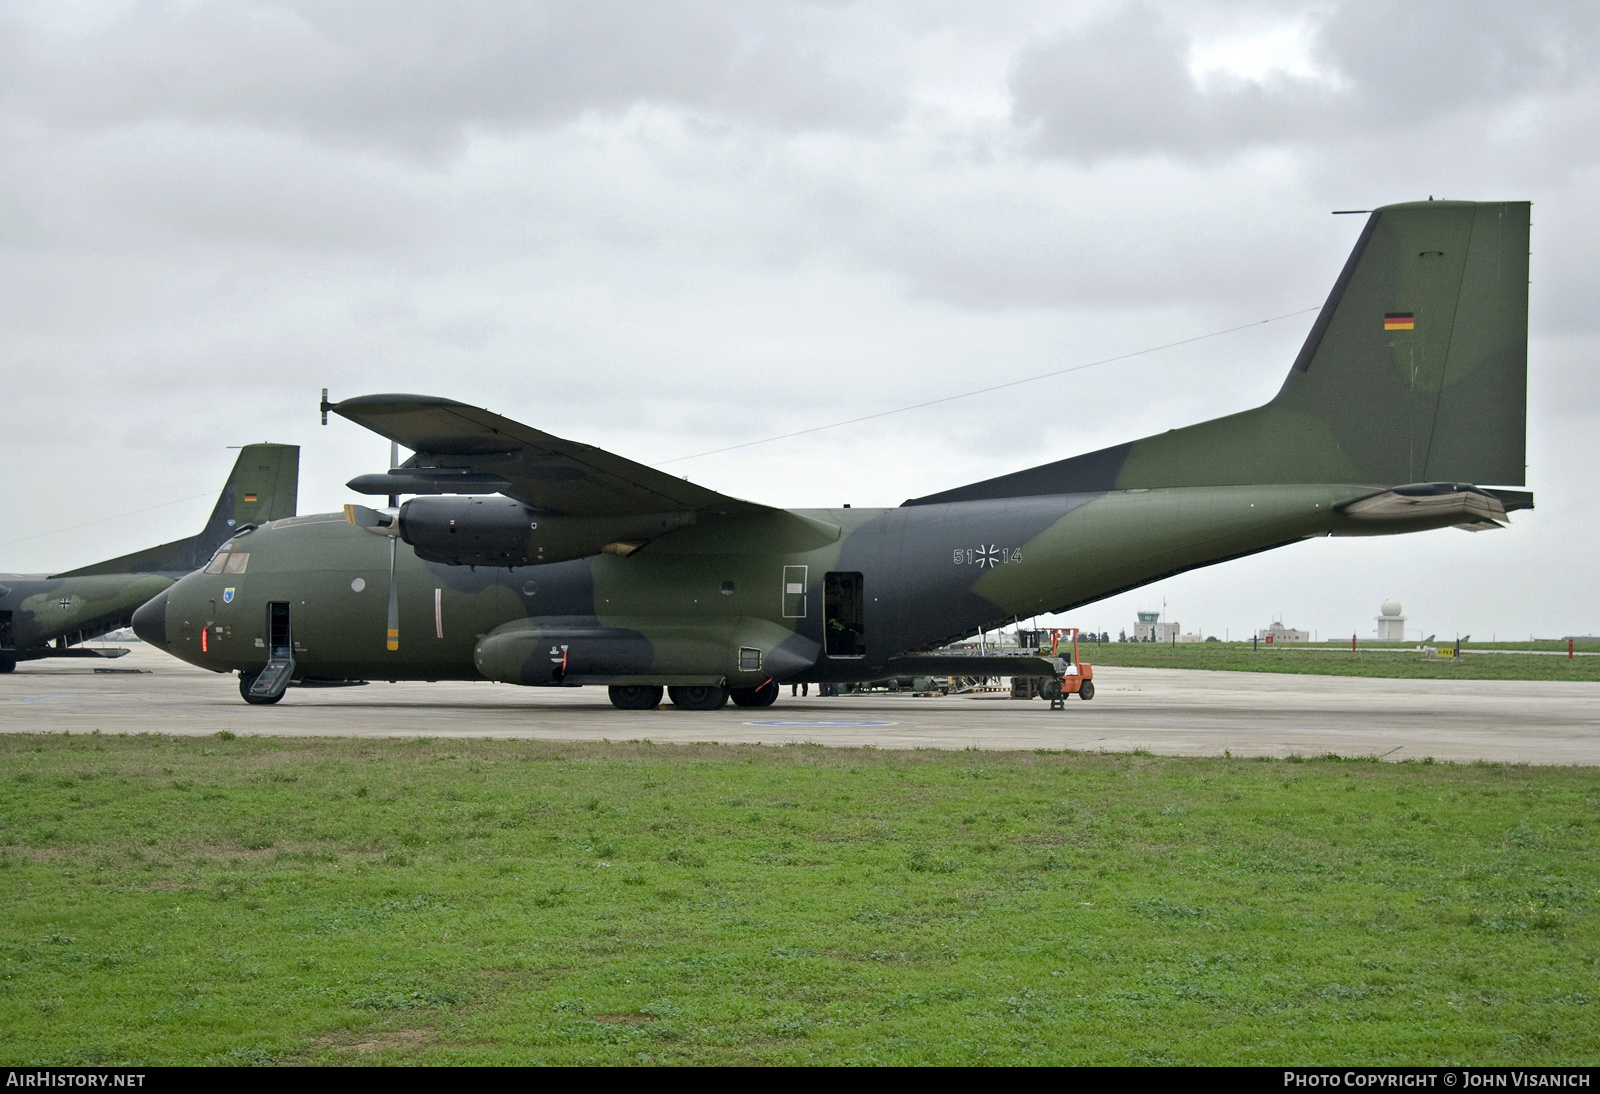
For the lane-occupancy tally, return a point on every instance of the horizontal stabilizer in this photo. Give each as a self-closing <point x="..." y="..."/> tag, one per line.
<point x="1421" y="506"/>
<point x="83" y="651"/>
<point x="1512" y="500"/>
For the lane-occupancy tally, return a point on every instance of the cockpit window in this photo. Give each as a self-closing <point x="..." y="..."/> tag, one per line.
<point x="218" y="560"/>
<point x="236" y="563"/>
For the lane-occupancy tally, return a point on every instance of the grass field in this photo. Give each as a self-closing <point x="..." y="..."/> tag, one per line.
<point x="1477" y="662"/>
<point x="259" y="900"/>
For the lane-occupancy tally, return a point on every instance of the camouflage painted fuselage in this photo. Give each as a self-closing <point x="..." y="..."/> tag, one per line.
<point x="694" y="598"/>
<point x="36" y="609"/>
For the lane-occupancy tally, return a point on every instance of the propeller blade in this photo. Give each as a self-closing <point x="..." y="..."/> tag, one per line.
<point x="378" y="522"/>
<point x="394" y="602"/>
<point x="394" y="590"/>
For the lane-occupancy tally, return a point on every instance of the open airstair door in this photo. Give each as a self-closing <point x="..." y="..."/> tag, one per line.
<point x="270" y="685"/>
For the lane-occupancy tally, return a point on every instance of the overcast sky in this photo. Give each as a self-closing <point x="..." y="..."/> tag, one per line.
<point x="671" y="227"/>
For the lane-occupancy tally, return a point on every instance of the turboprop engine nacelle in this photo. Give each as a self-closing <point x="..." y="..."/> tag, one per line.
<point x="500" y="531"/>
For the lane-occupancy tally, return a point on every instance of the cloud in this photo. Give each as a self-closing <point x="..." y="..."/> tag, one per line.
<point x="421" y="77"/>
<point x="1121" y="86"/>
<point x="1125" y="85"/>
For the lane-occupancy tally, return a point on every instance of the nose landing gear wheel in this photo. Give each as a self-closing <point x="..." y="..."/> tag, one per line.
<point x="763" y="695"/>
<point x="635" y="696"/>
<point x="248" y="678"/>
<point x="698" y="698"/>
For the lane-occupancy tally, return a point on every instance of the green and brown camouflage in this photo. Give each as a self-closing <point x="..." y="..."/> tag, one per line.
<point x="534" y="560"/>
<point x="46" y="615"/>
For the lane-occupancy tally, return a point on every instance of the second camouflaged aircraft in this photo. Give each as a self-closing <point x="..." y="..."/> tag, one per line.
<point x="552" y="563"/>
<point x="46" y="615"/>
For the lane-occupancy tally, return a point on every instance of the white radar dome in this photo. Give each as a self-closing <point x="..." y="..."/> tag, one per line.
<point x="1391" y="607"/>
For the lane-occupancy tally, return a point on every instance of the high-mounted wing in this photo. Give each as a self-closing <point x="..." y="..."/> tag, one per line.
<point x="461" y="449"/>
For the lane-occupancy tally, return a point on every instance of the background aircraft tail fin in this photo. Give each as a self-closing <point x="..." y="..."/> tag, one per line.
<point x="263" y="486"/>
<point x="1414" y="371"/>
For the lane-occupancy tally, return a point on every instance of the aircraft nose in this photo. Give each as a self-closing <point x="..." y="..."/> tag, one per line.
<point x="150" y="621"/>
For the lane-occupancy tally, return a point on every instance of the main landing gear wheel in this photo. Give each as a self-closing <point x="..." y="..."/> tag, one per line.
<point x="699" y="698"/>
<point x="1086" y="690"/>
<point x="635" y="696"/>
<point x="763" y="695"/>
<point x="245" y="680"/>
<point x="7" y="665"/>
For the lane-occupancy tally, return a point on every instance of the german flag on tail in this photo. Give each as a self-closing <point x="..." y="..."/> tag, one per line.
<point x="1399" y="320"/>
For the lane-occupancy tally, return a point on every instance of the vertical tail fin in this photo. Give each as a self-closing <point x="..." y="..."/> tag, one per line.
<point x="264" y="485"/>
<point x="1415" y="371"/>
<point x="1418" y="363"/>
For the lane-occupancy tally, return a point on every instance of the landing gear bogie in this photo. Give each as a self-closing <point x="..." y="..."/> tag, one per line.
<point x="635" y="696"/>
<point x="697" y="697"/>
<point x="762" y="695"/>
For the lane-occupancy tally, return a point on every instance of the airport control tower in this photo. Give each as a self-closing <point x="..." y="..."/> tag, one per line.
<point x="1151" y="629"/>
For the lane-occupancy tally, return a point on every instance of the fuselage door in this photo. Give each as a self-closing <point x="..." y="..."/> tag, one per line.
<point x="844" y="616"/>
<point x="274" y="679"/>
<point x="794" y="592"/>
<point x="280" y="642"/>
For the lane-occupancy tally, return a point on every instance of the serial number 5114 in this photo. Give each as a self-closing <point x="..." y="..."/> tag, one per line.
<point x="986" y="556"/>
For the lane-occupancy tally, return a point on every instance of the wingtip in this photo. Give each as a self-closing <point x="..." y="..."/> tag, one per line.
<point x="390" y="399"/>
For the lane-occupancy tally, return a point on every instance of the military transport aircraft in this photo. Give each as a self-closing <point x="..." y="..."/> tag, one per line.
<point x="45" y="615"/>
<point x="541" y="561"/>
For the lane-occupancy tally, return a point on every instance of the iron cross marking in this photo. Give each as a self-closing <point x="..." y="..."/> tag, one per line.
<point x="988" y="556"/>
<point x="66" y="602"/>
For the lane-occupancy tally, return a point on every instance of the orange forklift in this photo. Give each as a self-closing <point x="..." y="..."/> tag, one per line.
<point x="1078" y="679"/>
